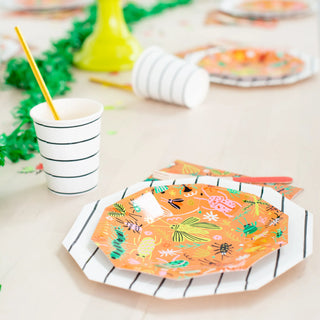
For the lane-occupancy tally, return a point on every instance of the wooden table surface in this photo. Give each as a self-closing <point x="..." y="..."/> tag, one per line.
<point x="258" y="132"/>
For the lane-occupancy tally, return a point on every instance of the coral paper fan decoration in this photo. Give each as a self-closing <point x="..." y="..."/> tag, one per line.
<point x="183" y="167"/>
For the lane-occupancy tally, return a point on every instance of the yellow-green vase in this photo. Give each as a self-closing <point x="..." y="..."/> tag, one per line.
<point x="111" y="46"/>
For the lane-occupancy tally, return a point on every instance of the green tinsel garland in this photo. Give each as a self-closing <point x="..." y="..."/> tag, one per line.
<point x="55" y="66"/>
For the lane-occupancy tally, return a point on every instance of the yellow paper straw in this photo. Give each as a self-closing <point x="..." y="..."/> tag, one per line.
<point x="37" y="73"/>
<point x="112" y="84"/>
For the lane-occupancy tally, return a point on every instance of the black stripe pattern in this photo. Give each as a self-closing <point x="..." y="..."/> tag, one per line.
<point x="276" y="263"/>
<point x="71" y="177"/>
<point x="262" y="190"/>
<point x="159" y="286"/>
<point x="67" y="127"/>
<point x="134" y="280"/>
<point x="137" y="78"/>
<point x="68" y="143"/>
<point x="124" y="192"/>
<point x="108" y="274"/>
<point x="173" y="81"/>
<point x="84" y="226"/>
<point x="150" y="74"/>
<point x="187" y="288"/>
<point x="72" y="193"/>
<point x="71" y="160"/>
<point x="218" y="284"/>
<point x="161" y="78"/>
<point x="94" y="252"/>
<point x="282" y="203"/>
<point x="305" y="234"/>
<point x="247" y="279"/>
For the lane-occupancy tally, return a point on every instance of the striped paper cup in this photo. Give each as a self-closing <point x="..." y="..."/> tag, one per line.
<point x="162" y="76"/>
<point x="69" y="147"/>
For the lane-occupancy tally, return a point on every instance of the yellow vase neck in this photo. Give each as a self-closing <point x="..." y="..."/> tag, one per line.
<point x="110" y="19"/>
<point x="110" y="47"/>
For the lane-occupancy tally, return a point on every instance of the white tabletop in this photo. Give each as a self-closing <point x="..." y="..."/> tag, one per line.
<point x="258" y="132"/>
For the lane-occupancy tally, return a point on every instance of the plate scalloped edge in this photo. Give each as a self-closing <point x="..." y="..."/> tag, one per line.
<point x="97" y="267"/>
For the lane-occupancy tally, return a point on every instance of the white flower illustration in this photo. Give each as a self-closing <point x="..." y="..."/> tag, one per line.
<point x="243" y="257"/>
<point x="148" y="219"/>
<point x="168" y="252"/>
<point x="210" y="216"/>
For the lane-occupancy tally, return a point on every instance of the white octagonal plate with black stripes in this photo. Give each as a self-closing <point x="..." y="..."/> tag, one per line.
<point x="97" y="266"/>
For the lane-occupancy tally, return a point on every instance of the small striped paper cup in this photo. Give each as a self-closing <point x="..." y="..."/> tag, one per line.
<point x="69" y="147"/>
<point x="165" y="77"/>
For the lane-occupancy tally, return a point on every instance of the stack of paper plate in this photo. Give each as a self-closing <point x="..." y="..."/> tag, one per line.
<point x="267" y="9"/>
<point x="187" y="238"/>
<point x="254" y="67"/>
<point x="44" y="4"/>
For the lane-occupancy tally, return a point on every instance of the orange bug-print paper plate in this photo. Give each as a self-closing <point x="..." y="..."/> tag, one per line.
<point x="44" y="4"/>
<point x="185" y="231"/>
<point x="267" y="9"/>
<point x="274" y="6"/>
<point x="251" y="63"/>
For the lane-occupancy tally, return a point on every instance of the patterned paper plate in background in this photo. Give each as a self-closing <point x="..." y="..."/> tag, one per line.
<point x="97" y="266"/>
<point x="253" y="67"/>
<point x="248" y="63"/>
<point x="267" y="9"/>
<point x="44" y="4"/>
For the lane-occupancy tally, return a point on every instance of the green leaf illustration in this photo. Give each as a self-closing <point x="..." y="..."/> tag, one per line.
<point x="120" y="208"/>
<point x="115" y="214"/>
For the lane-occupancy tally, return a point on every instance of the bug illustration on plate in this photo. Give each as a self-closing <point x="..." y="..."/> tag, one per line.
<point x="117" y="244"/>
<point x="134" y="206"/>
<point x="279" y="234"/>
<point x="247" y="228"/>
<point x="146" y="247"/>
<point x="220" y="203"/>
<point x="173" y="264"/>
<point x="133" y="226"/>
<point x="175" y="203"/>
<point x="275" y="220"/>
<point x="187" y="228"/>
<point x="224" y="249"/>
<point x="255" y="203"/>
<point x="186" y="191"/>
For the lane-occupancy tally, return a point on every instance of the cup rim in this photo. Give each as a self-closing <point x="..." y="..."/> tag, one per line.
<point x="60" y="123"/>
